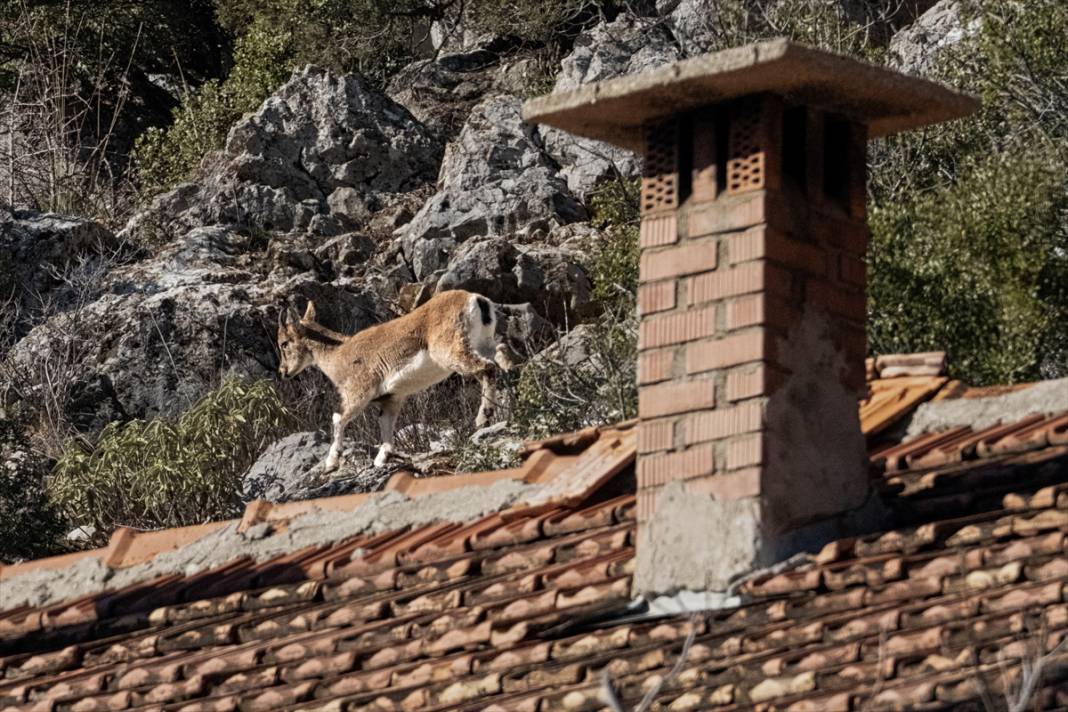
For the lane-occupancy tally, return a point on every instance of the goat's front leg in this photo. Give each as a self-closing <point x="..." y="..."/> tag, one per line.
<point x="387" y="420"/>
<point x="340" y="422"/>
<point x="333" y="458"/>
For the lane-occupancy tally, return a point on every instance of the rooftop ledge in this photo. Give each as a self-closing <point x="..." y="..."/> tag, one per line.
<point x="885" y="100"/>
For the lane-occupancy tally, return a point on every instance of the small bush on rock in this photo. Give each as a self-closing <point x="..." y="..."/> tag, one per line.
<point x="588" y="378"/>
<point x="30" y="526"/>
<point x="166" y="157"/>
<point x="614" y="265"/>
<point x="164" y="473"/>
<point x="481" y="457"/>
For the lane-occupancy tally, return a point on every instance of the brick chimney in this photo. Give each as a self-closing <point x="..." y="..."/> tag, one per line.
<point x="752" y="294"/>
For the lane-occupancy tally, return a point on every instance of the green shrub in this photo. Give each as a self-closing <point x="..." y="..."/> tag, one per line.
<point x="969" y="245"/>
<point x="590" y="379"/>
<point x="166" y="157"/>
<point x="970" y="219"/>
<point x="165" y="473"/>
<point x="481" y="457"/>
<point x="975" y="267"/>
<point x="537" y="22"/>
<point x="613" y="265"/>
<point x="30" y="526"/>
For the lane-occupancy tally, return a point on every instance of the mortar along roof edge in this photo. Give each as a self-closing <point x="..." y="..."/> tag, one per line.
<point x="128" y="547"/>
<point x="544" y="460"/>
<point x="615" y="110"/>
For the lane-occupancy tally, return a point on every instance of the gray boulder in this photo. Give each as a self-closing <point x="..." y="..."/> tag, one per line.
<point x="157" y="335"/>
<point x="495" y="180"/>
<point x="291" y="469"/>
<point x="286" y="467"/>
<point x="523" y="330"/>
<point x="916" y="49"/>
<point x="626" y="45"/>
<point x="320" y="155"/>
<point x="573" y="350"/>
<point x="439" y="96"/>
<point x="700" y="26"/>
<point x="548" y="278"/>
<point x="40" y="253"/>
<point x="453" y="35"/>
<point x="441" y="92"/>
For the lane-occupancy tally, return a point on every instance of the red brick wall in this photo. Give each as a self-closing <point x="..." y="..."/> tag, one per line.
<point x="730" y="260"/>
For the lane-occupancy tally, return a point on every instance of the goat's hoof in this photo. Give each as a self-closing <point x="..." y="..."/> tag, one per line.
<point x="331" y="464"/>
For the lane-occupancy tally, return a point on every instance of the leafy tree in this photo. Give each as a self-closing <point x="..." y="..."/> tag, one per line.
<point x="970" y="220"/>
<point x="969" y="247"/>
<point x="166" y="156"/>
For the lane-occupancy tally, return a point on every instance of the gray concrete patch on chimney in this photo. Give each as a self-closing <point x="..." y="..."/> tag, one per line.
<point x="814" y="488"/>
<point x="816" y="455"/>
<point x="697" y="543"/>
<point x="1044" y="398"/>
<point x="696" y="548"/>
<point x="383" y="512"/>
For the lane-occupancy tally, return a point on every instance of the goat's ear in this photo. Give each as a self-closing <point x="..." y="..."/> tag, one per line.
<point x="309" y="313"/>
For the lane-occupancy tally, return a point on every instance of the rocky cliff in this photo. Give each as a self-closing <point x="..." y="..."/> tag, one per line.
<point x="366" y="201"/>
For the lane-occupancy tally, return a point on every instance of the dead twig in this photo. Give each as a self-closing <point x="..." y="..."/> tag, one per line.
<point x="611" y="697"/>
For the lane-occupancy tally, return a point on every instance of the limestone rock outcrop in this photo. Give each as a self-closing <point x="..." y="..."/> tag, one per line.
<point x="321" y="155"/>
<point x="608" y="50"/>
<point x="495" y="180"/>
<point x="916" y="49"/>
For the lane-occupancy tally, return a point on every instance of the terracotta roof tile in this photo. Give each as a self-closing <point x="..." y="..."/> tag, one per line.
<point x="524" y="610"/>
<point x="891" y="399"/>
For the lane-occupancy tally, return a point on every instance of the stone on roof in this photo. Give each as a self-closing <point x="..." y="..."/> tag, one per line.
<point x="885" y="101"/>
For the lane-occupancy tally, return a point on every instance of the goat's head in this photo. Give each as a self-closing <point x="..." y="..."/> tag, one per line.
<point x="294" y="344"/>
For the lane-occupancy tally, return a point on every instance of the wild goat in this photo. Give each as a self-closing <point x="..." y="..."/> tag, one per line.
<point x="385" y="364"/>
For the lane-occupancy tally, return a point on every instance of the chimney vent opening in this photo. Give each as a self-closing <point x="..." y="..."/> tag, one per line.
<point x="836" y="142"/>
<point x="795" y="147"/>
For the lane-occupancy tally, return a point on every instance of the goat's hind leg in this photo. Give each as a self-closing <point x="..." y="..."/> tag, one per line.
<point x="387" y="420"/>
<point x="474" y="362"/>
<point x="487" y="407"/>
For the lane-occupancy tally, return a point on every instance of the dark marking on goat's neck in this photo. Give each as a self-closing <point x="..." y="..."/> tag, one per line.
<point x="322" y="335"/>
<point x="485" y="308"/>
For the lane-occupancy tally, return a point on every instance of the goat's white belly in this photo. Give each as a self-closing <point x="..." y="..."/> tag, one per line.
<point x="419" y="373"/>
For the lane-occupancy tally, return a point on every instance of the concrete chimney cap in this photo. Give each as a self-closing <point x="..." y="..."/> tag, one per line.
<point x="885" y="100"/>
